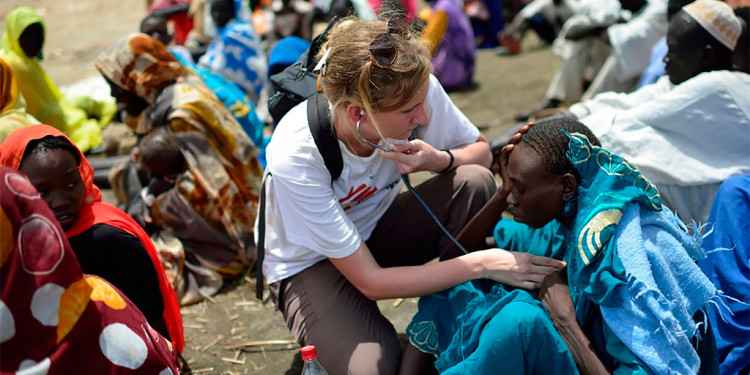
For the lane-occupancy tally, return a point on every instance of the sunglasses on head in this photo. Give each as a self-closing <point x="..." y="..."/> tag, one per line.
<point x="383" y="47"/>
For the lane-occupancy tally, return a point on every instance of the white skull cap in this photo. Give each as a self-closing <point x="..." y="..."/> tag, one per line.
<point x="718" y="19"/>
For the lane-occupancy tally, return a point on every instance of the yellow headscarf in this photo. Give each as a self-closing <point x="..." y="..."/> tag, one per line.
<point x="15" y="23"/>
<point x="41" y="94"/>
<point x="43" y="100"/>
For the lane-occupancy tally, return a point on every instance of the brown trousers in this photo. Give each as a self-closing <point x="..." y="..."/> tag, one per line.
<point x="322" y="308"/>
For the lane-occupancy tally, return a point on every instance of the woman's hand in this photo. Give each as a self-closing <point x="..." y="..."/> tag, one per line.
<point x="522" y="270"/>
<point x="415" y="156"/>
<point x="555" y="295"/>
<point x="501" y="165"/>
<point x="503" y="169"/>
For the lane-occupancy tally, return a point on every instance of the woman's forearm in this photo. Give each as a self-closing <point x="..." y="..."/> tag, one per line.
<point x="518" y="269"/>
<point x="583" y="351"/>
<point x="474" y="233"/>
<point x="379" y="283"/>
<point x="473" y="153"/>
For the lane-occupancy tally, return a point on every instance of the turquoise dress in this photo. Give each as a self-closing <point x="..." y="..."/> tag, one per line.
<point x="632" y="278"/>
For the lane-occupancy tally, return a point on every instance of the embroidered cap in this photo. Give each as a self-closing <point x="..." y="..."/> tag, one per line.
<point x="718" y="19"/>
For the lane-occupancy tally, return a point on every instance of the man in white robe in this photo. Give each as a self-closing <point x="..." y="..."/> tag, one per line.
<point x="553" y="12"/>
<point x="690" y="130"/>
<point x="595" y="47"/>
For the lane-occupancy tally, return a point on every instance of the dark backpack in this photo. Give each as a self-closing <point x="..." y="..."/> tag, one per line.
<point x="296" y="82"/>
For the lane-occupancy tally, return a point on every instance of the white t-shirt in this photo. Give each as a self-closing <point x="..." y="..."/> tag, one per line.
<point x="309" y="219"/>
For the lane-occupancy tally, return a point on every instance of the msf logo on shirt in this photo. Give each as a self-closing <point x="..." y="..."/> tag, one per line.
<point x="355" y="196"/>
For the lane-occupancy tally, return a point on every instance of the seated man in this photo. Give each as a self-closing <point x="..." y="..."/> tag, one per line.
<point x="615" y="51"/>
<point x="687" y="132"/>
<point x="631" y="295"/>
<point x="545" y="17"/>
<point x="655" y="69"/>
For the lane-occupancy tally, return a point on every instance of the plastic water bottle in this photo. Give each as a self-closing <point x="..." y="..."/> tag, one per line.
<point x="311" y="364"/>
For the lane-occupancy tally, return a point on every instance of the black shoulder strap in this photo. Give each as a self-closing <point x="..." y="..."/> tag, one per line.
<point x="261" y="245"/>
<point x="327" y="143"/>
<point x="322" y="132"/>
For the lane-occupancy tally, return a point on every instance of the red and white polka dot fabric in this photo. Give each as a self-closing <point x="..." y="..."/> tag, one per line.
<point x="53" y="318"/>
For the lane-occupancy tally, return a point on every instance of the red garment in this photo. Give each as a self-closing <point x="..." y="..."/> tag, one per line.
<point x="54" y="318"/>
<point x="98" y="212"/>
<point x="182" y="22"/>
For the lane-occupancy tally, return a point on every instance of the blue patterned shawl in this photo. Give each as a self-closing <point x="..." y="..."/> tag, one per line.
<point x="635" y="260"/>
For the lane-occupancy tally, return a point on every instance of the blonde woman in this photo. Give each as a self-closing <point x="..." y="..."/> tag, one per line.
<point x="334" y="248"/>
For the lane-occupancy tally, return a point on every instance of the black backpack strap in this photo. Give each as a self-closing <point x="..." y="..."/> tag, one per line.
<point x="328" y="145"/>
<point x="261" y="245"/>
<point x="322" y="132"/>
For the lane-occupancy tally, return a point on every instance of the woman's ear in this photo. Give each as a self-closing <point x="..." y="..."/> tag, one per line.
<point x="569" y="186"/>
<point x="354" y="112"/>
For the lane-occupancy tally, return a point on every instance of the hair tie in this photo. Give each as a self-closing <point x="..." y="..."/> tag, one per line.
<point x="449" y="164"/>
<point x="322" y="61"/>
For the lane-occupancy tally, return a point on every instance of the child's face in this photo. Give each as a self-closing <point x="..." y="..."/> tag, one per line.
<point x="168" y="165"/>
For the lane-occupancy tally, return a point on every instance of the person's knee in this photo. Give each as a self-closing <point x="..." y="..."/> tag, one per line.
<point x="476" y="179"/>
<point x="526" y="320"/>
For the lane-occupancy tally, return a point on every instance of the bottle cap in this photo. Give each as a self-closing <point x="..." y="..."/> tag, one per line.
<point x="309" y="352"/>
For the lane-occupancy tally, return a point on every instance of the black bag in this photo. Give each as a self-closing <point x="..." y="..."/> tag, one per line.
<point x="298" y="81"/>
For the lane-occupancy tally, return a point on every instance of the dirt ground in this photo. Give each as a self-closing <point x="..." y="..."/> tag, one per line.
<point x="232" y="332"/>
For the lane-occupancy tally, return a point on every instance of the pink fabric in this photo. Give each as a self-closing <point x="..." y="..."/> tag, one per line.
<point x="409" y="5"/>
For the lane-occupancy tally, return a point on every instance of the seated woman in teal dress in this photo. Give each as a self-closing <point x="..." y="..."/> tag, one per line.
<point x="632" y="293"/>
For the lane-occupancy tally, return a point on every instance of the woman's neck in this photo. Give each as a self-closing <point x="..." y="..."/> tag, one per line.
<point x="346" y="132"/>
<point x="567" y="222"/>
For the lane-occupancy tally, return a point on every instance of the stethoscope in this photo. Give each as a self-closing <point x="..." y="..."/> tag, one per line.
<point x="405" y="178"/>
<point x="361" y="137"/>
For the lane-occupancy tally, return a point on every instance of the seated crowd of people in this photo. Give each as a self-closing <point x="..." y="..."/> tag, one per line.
<point x="606" y="231"/>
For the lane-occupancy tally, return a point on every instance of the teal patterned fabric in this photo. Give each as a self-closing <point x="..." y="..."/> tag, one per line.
<point x="635" y="260"/>
<point x="608" y="185"/>
<point x="497" y="332"/>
